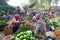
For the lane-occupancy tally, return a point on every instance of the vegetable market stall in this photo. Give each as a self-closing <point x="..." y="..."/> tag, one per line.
<point x="56" y="24"/>
<point x="3" y="24"/>
<point x="23" y="33"/>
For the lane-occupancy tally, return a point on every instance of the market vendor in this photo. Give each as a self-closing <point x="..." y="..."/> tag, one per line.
<point x="15" y="22"/>
<point x="39" y="28"/>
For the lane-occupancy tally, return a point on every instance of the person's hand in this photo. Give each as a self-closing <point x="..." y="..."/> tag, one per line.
<point x="16" y="21"/>
<point x="41" y="36"/>
<point x="38" y="36"/>
<point x="32" y="27"/>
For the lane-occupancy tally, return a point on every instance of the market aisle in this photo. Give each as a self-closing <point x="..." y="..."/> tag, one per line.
<point x="1" y="34"/>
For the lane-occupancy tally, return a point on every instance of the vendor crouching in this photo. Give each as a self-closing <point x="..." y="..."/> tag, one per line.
<point x="39" y="28"/>
<point x="15" y="22"/>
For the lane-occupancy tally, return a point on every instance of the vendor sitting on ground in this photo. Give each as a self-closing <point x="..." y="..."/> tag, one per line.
<point x="39" y="28"/>
<point x="15" y="22"/>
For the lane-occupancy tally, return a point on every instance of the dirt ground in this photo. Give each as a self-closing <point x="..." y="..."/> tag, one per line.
<point x="1" y="35"/>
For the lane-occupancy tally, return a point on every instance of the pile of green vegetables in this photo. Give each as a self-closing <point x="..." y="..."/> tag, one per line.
<point x="54" y="23"/>
<point x="27" y="35"/>
<point x="27" y="18"/>
<point x="23" y="29"/>
<point x="46" y="19"/>
<point x="23" y="33"/>
<point x="3" y="22"/>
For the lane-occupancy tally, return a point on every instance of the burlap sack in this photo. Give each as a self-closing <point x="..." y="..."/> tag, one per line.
<point x="7" y="30"/>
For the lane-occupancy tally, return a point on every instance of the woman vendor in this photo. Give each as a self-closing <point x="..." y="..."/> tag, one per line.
<point x="39" y="28"/>
<point x="15" y="22"/>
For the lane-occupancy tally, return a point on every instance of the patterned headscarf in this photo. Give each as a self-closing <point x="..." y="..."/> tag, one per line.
<point x="16" y="16"/>
<point x="37" y="16"/>
<point x="39" y="20"/>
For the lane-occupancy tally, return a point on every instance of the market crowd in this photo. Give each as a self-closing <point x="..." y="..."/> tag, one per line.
<point x="37" y="21"/>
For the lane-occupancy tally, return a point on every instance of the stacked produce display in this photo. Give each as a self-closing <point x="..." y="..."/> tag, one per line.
<point x="54" y="23"/>
<point x="3" y="23"/>
<point x="23" y="33"/>
<point x="57" y="32"/>
<point x="27" y="35"/>
<point x="57" y="29"/>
